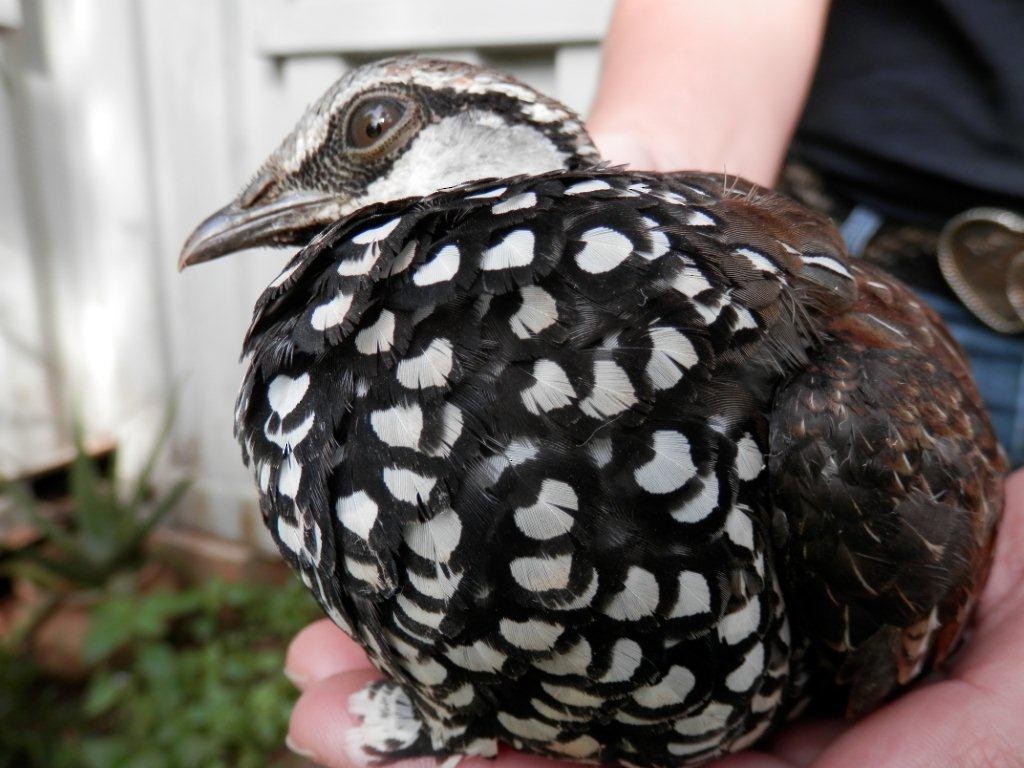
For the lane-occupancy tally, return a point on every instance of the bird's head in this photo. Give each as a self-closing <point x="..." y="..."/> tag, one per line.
<point x="398" y="128"/>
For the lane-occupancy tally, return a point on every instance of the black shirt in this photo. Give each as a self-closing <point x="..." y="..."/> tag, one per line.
<point x="917" y="107"/>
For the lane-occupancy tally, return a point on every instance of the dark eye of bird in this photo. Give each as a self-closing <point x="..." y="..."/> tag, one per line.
<point x="372" y="120"/>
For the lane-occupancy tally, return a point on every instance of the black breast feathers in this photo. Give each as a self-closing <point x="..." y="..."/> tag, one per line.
<point x="515" y="438"/>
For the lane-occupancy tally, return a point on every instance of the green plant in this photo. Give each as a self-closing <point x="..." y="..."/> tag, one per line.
<point x="184" y="679"/>
<point x="107" y="528"/>
<point x="35" y="712"/>
<point x="191" y="678"/>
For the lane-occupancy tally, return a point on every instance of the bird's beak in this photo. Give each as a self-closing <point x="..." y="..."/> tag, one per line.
<point x="292" y="217"/>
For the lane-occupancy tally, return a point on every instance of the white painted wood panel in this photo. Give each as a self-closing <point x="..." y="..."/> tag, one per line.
<point x="10" y="14"/>
<point x="292" y="27"/>
<point x="145" y="117"/>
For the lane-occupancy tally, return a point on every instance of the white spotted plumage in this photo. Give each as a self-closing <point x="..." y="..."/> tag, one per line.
<point x="551" y="389"/>
<point x="603" y="250"/>
<point x="413" y="401"/>
<point x="440" y="268"/>
<point x="512" y="435"/>
<point x="514" y="250"/>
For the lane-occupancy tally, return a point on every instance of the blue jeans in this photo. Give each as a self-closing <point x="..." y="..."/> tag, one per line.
<point x="997" y="362"/>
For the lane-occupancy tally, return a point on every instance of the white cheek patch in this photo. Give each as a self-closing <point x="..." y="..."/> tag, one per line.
<point x="462" y="148"/>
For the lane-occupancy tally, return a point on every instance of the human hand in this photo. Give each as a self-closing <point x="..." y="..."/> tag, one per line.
<point x="973" y="715"/>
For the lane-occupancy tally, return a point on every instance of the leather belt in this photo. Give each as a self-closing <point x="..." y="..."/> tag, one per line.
<point x="976" y="257"/>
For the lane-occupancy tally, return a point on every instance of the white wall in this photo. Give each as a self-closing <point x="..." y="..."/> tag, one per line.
<point x="136" y="118"/>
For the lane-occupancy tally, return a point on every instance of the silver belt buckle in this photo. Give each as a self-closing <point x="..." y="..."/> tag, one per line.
<point x="981" y="255"/>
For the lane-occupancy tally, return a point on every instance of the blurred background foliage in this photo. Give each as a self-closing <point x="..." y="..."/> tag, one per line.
<point x="178" y="680"/>
<point x="113" y="657"/>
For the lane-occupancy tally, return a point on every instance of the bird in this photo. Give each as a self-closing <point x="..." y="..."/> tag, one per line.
<point x="614" y="466"/>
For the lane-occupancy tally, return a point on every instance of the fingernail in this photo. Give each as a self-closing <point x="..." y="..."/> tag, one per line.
<point x="299" y="750"/>
<point x="299" y="681"/>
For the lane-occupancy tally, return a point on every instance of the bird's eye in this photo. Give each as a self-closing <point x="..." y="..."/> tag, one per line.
<point x="374" y="119"/>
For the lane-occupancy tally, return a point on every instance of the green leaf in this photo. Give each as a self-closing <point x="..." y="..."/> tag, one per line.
<point x="92" y="507"/>
<point x="22" y="498"/>
<point x="142" y="482"/>
<point x="111" y="627"/>
<point x="159" y="512"/>
<point x="103" y="752"/>
<point x="104" y="692"/>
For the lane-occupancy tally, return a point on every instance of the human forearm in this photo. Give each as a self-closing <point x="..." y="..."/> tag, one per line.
<point x="717" y="86"/>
